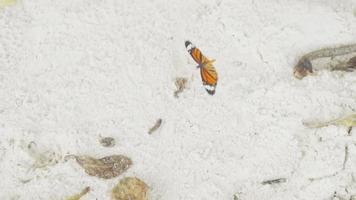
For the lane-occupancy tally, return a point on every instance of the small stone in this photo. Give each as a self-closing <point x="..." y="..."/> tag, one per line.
<point x="106" y="167"/>
<point x="107" y="142"/>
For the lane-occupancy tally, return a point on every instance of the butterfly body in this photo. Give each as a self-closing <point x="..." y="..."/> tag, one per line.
<point x="207" y="71"/>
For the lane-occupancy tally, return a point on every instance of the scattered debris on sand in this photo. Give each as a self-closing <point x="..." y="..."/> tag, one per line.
<point x="42" y="158"/>
<point x="181" y="84"/>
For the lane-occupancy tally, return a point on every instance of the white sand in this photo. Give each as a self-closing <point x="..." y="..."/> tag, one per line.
<point x="74" y="70"/>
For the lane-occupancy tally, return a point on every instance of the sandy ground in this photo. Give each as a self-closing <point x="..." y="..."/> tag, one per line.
<point x="72" y="71"/>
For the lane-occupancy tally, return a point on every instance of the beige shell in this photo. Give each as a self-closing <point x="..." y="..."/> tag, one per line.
<point x="130" y="188"/>
<point x="106" y="167"/>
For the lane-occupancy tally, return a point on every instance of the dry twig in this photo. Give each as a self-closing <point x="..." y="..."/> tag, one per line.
<point x="323" y="177"/>
<point x="156" y="126"/>
<point x="274" y="181"/>
<point x="79" y="195"/>
<point x="346" y="157"/>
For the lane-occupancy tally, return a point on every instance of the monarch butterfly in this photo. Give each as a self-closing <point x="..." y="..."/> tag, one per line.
<point x="207" y="70"/>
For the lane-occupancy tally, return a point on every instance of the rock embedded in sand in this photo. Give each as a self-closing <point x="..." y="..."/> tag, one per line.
<point x="130" y="188"/>
<point x="106" y="167"/>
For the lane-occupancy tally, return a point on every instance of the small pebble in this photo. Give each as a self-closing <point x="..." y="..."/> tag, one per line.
<point x="107" y="142"/>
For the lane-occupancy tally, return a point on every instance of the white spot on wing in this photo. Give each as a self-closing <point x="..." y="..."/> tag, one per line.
<point x="190" y="47"/>
<point x="210" y="87"/>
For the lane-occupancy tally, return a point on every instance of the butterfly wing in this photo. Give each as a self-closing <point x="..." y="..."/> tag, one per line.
<point x="195" y="53"/>
<point x="207" y="70"/>
<point x="209" y="78"/>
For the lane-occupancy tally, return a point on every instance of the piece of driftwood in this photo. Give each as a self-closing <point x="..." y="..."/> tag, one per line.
<point x="130" y="188"/>
<point x="155" y="126"/>
<point x="304" y="66"/>
<point x="106" y="167"/>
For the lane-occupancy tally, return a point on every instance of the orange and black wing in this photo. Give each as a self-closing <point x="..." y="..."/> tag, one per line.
<point x="209" y="78"/>
<point x="195" y="53"/>
<point x="207" y="70"/>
